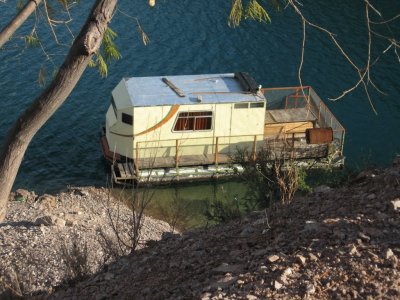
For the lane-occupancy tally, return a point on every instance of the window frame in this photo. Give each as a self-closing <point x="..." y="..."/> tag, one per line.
<point x="211" y="116"/>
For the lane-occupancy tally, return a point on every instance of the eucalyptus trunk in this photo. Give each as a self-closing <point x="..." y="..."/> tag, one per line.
<point x="19" y="19"/>
<point x="44" y="106"/>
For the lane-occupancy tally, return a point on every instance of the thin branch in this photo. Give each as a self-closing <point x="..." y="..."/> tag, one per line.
<point x="385" y="21"/>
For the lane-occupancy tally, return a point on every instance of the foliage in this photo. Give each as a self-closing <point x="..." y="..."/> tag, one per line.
<point x="107" y="53"/>
<point x="253" y="11"/>
<point x="272" y="177"/>
<point x="32" y="40"/>
<point x="330" y="177"/>
<point x="75" y="256"/>
<point x="224" y="210"/>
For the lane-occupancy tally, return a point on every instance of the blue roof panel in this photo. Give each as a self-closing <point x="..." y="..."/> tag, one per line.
<point x="213" y="88"/>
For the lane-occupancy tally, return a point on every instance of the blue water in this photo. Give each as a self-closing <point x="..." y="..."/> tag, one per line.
<point x="192" y="37"/>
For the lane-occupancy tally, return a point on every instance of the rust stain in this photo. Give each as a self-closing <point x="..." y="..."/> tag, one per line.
<point x="168" y="117"/>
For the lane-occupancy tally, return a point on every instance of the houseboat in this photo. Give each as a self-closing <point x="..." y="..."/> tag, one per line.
<point x="166" y="128"/>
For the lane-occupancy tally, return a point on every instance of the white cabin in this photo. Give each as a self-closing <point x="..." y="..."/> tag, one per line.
<point x="150" y="119"/>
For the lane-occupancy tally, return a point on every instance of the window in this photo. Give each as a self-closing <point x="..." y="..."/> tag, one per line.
<point x="191" y="121"/>
<point x="114" y="106"/>
<point x="127" y="119"/>
<point x="256" y="104"/>
<point x="241" y="105"/>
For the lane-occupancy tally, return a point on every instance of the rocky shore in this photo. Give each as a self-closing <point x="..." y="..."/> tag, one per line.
<point x="40" y="233"/>
<point x="334" y="244"/>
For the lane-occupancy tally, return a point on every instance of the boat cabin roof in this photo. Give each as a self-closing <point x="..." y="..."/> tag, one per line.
<point x="193" y="89"/>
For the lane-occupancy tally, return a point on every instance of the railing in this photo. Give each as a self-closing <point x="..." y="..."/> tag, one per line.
<point x="297" y="97"/>
<point x="220" y="145"/>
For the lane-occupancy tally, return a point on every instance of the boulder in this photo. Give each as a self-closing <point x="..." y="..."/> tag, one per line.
<point x="322" y="189"/>
<point x="47" y="201"/>
<point x="50" y="220"/>
<point x="24" y="195"/>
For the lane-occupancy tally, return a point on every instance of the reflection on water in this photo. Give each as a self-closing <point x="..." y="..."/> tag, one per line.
<point x="186" y="206"/>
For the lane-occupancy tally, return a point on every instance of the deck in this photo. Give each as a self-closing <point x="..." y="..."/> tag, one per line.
<point x="183" y="161"/>
<point x="288" y="123"/>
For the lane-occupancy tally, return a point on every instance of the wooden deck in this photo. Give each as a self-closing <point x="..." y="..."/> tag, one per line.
<point x="289" y="115"/>
<point x="183" y="161"/>
<point x="284" y="123"/>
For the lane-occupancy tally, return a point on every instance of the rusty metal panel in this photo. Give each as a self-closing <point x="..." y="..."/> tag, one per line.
<point x="319" y="135"/>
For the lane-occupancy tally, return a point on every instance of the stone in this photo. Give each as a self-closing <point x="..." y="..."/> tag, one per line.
<point x="311" y="225"/>
<point x="301" y="259"/>
<point x="277" y="285"/>
<point x="310" y="289"/>
<point x="226" y="268"/>
<point x="287" y="272"/>
<point x="353" y="251"/>
<point x="22" y="195"/>
<point x="47" y="201"/>
<point x="396" y="204"/>
<point x="371" y="196"/>
<point x="251" y="297"/>
<point x="224" y="282"/>
<point x="389" y="253"/>
<point x="108" y="276"/>
<point x="273" y="258"/>
<point x="396" y="161"/>
<point x="206" y="296"/>
<point x="312" y="257"/>
<point x="169" y="235"/>
<point x="260" y="252"/>
<point x="50" y="220"/>
<point x="364" y="237"/>
<point x="321" y="189"/>
<point x="247" y="230"/>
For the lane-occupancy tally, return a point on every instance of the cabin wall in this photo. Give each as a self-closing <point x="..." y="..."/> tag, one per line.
<point x="121" y="96"/>
<point x="247" y="127"/>
<point x="155" y="137"/>
<point x="119" y="135"/>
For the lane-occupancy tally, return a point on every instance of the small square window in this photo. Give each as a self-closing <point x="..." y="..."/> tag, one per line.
<point x="256" y="104"/>
<point x="127" y="119"/>
<point x="241" y="105"/>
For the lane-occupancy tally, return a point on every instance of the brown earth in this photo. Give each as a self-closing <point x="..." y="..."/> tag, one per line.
<point x="334" y="244"/>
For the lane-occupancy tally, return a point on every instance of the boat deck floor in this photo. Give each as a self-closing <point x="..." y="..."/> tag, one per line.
<point x="289" y="115"/>
<point x="183" y="161"/>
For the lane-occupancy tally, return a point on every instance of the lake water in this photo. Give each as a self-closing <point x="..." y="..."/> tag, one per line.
<point x="192" y="37"/>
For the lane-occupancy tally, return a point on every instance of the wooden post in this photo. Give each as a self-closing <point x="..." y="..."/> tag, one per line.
<point x="319" y="112"/>
<point x="255" y="148"/>
<point x="216" y="151"/>
<point x="176" y="153"/>
<point x="293" y="141"/>
<point x="137" y="159"/>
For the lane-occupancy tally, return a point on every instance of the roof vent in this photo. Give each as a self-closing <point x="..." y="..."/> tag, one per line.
<point x="247" y="82"/>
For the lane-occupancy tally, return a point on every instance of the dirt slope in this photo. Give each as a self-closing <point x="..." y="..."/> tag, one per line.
<point x="335" y="244"/>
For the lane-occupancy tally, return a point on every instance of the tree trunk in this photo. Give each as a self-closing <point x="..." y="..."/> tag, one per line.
<point x="19" y="19"/>
<point x="43" y="107"/>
